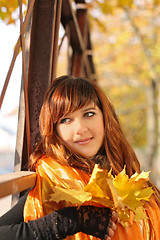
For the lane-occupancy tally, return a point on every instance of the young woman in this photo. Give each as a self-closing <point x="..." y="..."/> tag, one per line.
<point x="79" y="128"/>
<point x="43" y="219"/>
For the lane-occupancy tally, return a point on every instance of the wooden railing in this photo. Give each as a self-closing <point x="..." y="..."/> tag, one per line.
<point x="16" y="182"/>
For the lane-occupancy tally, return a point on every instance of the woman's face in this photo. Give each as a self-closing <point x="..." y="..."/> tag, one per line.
<point x="83" y="130"/>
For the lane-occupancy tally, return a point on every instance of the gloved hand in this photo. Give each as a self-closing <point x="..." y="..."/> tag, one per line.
<point x="94" y="220"/>
<point x="91" y="220"/>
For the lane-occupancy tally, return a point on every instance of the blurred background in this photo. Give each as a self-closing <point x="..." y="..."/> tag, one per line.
<point x="125" y="36"/>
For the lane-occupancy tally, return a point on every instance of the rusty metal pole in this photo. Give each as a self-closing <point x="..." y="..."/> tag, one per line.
<point x="39" y="64"/>
<point x="55" y="39"/>
<point x="77" y="66"/>
<point x="18" y="163"/>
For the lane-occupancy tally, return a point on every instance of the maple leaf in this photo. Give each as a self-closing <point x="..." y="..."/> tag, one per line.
<point x="121" y="193"/>
<point x="74" y="196"/>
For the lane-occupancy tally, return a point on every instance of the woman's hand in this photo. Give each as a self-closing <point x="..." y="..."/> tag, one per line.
<point x="111" y="226"/>
<point x="97" y="221"/>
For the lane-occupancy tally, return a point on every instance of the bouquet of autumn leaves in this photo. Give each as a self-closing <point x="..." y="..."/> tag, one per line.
<point x="120" y="193"/>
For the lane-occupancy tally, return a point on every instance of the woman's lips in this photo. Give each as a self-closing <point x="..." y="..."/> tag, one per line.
<point x="83" y="141"/>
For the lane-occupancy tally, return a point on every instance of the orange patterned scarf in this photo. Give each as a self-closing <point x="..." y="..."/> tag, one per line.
<point x="51" y="173"/>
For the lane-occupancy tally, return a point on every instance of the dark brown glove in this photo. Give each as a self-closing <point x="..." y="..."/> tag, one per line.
<point x="68" y="221"/>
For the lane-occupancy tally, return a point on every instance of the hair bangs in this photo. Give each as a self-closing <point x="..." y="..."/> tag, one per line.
<point x="72" y="96"/>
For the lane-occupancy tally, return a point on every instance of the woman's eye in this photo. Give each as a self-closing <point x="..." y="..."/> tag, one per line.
<point x="89" y="114"/>
<point x="65" y="120"/>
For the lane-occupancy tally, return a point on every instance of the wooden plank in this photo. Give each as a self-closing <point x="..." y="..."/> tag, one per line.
<point x="16" y="182"/>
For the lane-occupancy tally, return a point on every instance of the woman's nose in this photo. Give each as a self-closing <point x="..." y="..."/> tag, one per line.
<point x="80" y="127"/>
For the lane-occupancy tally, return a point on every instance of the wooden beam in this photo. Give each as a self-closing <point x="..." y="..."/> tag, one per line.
<point x="16" y="182"/>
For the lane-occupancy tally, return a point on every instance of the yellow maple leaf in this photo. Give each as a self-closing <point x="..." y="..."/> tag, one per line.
<point x="74" y="196"/>
<point x="138" y="176"/>
<point x="123" y="194"/>
<point x="97" y="183"/>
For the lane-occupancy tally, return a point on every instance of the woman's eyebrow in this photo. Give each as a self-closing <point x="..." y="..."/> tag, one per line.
<point x="89" y="109"/>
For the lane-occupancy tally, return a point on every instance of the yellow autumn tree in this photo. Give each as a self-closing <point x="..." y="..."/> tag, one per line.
<point x="127" y="61"/>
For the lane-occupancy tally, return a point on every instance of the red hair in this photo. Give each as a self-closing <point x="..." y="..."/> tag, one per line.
<point x="67" y="94"/>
